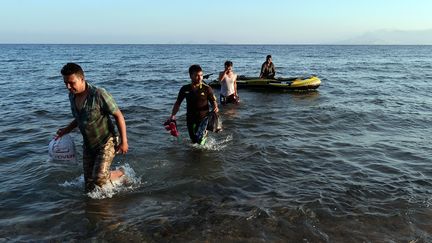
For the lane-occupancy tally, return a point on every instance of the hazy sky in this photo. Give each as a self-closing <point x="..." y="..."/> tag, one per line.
<point x="193" y="21"/>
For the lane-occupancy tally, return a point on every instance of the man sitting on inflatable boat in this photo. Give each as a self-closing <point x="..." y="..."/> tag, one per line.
<point x="268" y="69"/>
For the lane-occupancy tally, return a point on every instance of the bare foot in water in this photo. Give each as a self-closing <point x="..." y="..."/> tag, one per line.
<point x="117" y="174"/>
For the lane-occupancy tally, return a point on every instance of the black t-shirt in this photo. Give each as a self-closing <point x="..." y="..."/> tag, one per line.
<point x="197" y="102"/>
<point x="268" y="70"/>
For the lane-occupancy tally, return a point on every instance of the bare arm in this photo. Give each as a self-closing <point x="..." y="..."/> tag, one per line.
<point x="175" y="109"/>
<point x="213" y="101"/>
<point x="221" y="76"/>
<point x="215" y="106"/>
<point x="235" y="84"/>
<point x="121" y="126"/>
<point x="262" y="70"/>
<point x="67" y="129"/>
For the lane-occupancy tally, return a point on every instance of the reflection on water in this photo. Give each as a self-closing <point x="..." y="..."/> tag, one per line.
<point x="305" y="95"/>
<point x="349" y="162"/>
<point x="102" y="216"/>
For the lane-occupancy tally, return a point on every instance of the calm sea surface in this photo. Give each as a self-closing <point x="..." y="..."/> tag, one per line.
<point x="350" y="162"/>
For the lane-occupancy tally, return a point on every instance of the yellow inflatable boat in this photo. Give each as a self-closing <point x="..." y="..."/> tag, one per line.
<point x="296" y="83"/>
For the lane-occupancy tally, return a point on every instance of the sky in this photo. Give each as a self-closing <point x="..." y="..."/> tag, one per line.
<point x="211" y="22"/>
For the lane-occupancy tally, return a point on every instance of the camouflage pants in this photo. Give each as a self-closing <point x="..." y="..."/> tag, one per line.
<point x="96" y="164"/>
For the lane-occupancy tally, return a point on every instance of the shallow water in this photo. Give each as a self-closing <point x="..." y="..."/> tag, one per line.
<point x="349" y="162"/>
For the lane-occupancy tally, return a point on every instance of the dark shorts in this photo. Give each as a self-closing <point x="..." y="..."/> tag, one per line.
<point x="196" y="129"/>
<point x="96" y="164"/>
<point x="228" y="99"/>
<point x="269" y="76"/>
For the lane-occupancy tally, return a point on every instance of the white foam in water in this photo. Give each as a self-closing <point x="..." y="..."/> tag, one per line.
<point x="75" y="183"/>
<point x="159" y="164"/>
<point x="213" y="144"/>
<point x="127" y="182"/>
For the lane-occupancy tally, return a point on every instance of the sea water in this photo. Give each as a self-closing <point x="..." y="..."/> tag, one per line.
<point x="349" y="162"/>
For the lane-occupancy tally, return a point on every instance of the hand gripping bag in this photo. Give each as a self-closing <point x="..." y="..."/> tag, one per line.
<point x="214" y="122"/>
<point x="62" y="149"/>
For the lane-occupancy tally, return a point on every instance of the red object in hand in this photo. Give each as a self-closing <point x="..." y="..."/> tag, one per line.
<point x="171" y="125"/>
<point x="173" y="129"/>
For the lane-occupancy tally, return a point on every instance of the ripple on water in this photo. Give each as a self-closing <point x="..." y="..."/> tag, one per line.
<point x="348" y="163"/>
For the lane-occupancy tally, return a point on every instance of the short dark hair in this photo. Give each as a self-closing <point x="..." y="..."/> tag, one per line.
<point x="72" y="68"/>
<point x="228" y="63"/>
<point x="268" y="57"/>
<point x="194" y="69"/>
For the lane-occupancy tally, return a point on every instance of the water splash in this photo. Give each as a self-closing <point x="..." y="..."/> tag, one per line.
<point x="128" y="182"/>
<point x="75" y="183"/>
<point x="214" y="144"/>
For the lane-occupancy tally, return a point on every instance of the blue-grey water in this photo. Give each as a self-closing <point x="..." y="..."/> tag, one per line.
<point x="350" y="162"/>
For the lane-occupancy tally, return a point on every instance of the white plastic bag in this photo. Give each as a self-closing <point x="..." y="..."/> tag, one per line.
<point x="62" y="149"/>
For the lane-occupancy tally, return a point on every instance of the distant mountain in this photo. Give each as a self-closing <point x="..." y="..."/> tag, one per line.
<point x="392" y="37"/>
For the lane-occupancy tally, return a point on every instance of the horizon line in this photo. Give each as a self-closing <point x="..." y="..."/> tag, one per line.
<point x="220" y="44"/>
